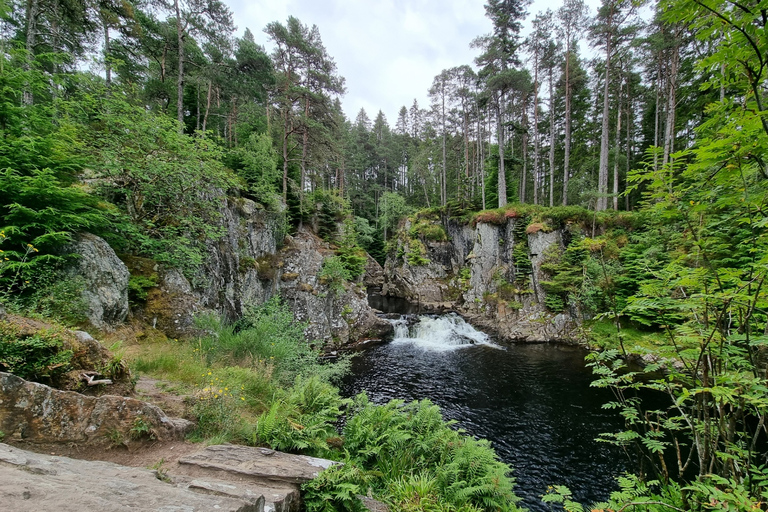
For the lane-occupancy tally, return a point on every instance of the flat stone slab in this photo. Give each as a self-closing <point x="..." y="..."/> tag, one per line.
<point x="259" y="463"/>
<point x="40" y="483"/>
<point x="275" y="497"/>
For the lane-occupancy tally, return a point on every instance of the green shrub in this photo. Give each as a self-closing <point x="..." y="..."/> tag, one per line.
<point x="139" y="286"/>
<point x="334" y="274"/>
<point x="416" y="255"/>
<point x="409" y="445"/>
<point x="337" y="489"/>
<point x="266" y="334"/>
<point x="59" y="298"/>
<point x="429" y="231"/>
<point x="304" y="420"/>
<point x="39" y="357"/>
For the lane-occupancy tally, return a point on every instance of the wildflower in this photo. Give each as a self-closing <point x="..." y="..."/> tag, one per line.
<point x="241" y="398"/>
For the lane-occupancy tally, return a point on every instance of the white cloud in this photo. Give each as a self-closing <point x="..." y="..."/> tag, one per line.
<point x="389" y="51"/>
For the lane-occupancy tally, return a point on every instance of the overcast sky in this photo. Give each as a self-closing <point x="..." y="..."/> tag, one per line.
<point x="389" y="51"/>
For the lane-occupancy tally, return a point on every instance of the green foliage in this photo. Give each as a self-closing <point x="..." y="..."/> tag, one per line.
<point x="392" y="209"/>
<point x="336" y="490"/>
<point x="37" y="208"/>
<point x="268" y="334"/>
<point x="60" y="298"/>
<point x="303" y="421"/>
<point x="334" y="274"/>
<point x="168" y="184"/>
<point x="39" y="357"/>
<point x="258" y="160"/>
<point x="139" y="286"/>
<point x="429" y="231"/>
<point x="566" y="275"/>
<point x="417" y="253"/>
<point x="406" y="446"/>
<point x="141" y="429"/>
<point x="351" y="254"/>
<point x="328" y="208"/>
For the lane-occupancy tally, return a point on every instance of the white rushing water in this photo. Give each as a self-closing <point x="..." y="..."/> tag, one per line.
<point x="442" y="333"/>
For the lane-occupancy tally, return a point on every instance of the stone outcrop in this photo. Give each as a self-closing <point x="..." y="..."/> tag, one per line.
<point x="254" y="261"/>
<point x="41" y="483"/>
<point x="105" y="278"/>
<point x="224" y="477"/>
<point x="336" y="317"/>
<point x="37" y="413"/>
<point x="490" y="273"/>
<point x="88" y="356"/>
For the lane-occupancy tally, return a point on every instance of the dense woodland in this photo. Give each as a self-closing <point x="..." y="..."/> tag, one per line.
<point x="131" y="119"/>
<point x="563" y="129"/>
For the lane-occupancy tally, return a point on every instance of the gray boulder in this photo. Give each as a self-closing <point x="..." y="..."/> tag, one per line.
<point x="106" y="280"/>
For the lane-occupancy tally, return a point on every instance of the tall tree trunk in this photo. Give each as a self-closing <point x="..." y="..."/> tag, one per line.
<point x="444" y="181"/>
<point x="524" y="177"/>
<point x="669" y="128"/>
<point x="197" y="109"/>
<point x="207" y="106"/>
<point x="616" y="152"/>
<point x="628" y="148"/>
<point x="33" y="12"/>
<point x="567" y="155"/>
<point x="602" y="177"/>
<point x="502" y="182"/>
<point x="465" y="186"/>
<point x="107" y="57"/>
<point x="656" y="114"/>
<point x="286" y="133"/>
<point x="180" y="78"/>
<point x="536" y="140"/>
<point x="551" y="138"/>
<point x="304" y="150"/>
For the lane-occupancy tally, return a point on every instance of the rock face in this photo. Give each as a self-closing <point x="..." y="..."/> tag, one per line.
<point x="490" y="273"/>
<point x="40" y="483"/>
<point x="336" y="317"/>
<point x="106" y="280"/>
<point x="37" y="413"/>
<point x="223" y="477"/>
<point x="248" y="266"/>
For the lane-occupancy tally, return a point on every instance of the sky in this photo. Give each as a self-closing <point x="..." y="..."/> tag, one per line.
<point x="389" y="51"/>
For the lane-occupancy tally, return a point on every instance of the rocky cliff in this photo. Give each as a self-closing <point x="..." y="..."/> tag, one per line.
<point x="251" y="262"/>
<point x="491" y="273"/>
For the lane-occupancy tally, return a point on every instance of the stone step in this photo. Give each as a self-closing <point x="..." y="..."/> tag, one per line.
<point x="273" y="497"/>
<point x="262" y="464"/>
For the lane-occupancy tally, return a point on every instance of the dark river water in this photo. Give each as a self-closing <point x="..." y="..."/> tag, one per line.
<point x="533" y="402"/>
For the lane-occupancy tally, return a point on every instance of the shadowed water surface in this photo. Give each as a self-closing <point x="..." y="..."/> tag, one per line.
<point x="533" y="402"/>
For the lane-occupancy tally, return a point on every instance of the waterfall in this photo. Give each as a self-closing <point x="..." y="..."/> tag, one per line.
<point x="439" y="333"/>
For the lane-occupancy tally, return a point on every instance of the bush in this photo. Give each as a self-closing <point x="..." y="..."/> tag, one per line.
<point x="409" y="447"/>
<point x="267" y="334"/>
<point x="334" y="274"/>
<point x="429" y="231"/>
<point x="40" y="357"/>
<point x="303" y="421"/>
